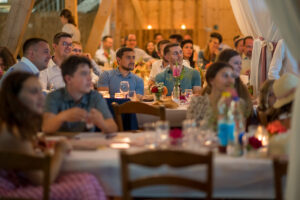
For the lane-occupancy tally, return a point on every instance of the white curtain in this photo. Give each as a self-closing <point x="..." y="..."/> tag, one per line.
<point x="254" y="19"/>
<point x="287" y="16"/>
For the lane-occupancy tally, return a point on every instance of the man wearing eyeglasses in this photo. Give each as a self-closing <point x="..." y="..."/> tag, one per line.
<point x="51" y="77"/>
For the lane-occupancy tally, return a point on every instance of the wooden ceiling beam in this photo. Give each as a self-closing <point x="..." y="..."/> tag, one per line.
<point x="139" y="12"/>
<point x="16" y="25"/>
<point x="72" y="6"/>
<point x="104" y="10"/>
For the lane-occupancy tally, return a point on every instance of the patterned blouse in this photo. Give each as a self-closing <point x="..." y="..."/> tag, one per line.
<point x="200" y="109"/>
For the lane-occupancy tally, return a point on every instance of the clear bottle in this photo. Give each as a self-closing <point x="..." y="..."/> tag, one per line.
<point x="234" y="147"/>
<point x="225" y="121"/>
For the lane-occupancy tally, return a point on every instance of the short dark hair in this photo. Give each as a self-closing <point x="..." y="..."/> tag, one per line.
<point x="71" y="64"/>
<point x="121" y="51"/>
<point x="59" y="35"/>
<point x="226" y="55"/>
<point x="214" y="69"/>
<point x="156" y="34"/>
<point x="186" y="42"/>
<point x="161" y="43"/>
<point x="105" y="37"/>
<point x="168" y="46"/>
<point x="217" y="35"/>
<point x="178" y="37"/>
<point x="31" y="42"/>
<point x="247" y="37"/>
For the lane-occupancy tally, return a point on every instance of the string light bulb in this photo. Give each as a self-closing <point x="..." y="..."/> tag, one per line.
<point x="183" y="27"/>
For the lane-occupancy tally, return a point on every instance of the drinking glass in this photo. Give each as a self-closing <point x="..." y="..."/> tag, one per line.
<point x="162" y="133"/>
<point x="124" y="88"/>
<point x="132" y="95"/>
<point x="150" y="135"/>
<point x="189" y="129"/>
<point x="188" y="94"/>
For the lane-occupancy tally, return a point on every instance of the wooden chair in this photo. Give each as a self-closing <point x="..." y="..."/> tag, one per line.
<point x="136" y="107"/>
<point x="22" y="162"/>
<point x="280" y="170"/>
<point x="172" y="158"/>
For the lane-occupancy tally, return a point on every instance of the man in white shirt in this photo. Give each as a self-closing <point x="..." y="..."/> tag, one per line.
<point x="36" y="57"/>
<point x="105" y="54"/>
<point x="282" y="62"/>
<point x="159" y="65"/>
<point x="51" y="78"/>
<point x="246" y="58"/>
<point x="140" y="54"/>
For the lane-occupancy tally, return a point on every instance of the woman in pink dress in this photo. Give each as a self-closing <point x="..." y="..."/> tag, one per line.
<point x="21" y="105"/>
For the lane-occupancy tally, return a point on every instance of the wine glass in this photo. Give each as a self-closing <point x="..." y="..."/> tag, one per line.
<point x="124" y="88"/>
<point x="188" y="94"/>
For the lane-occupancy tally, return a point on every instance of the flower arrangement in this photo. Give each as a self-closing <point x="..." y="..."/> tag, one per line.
<point x="158" y="90"/>
<point x="276" y="127"/>
<point x="178" y="74"/>
<point x="254" y="143"/>
<point x="141" y="69"/>
<point x="176" y="136"/>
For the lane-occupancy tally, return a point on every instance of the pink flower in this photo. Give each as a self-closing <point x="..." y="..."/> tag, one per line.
<point x="176" y="71"/>
<point x="176" y="133"/>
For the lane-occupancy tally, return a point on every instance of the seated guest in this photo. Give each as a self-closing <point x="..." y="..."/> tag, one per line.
<point x="195" y="47"/>
<point x="140" y="54"/>
<point x="247" y="55"/>
<point x="105" y="54"/>
<point x="51" y="78"/>
<point x="210" y="52"/>
<point x="188" y="52"/>
<point x="190" y="77"/>
<point x="36" y="57"/>
<point x="233" y="58"/>
<point x="220" y="78"/>
<point x="239" y="44"/>
<point x="284" y="90"/>
<point x="77" y="50"/>
<point x="159" y="65"/>
<point x="150" y="50"/>
<point x="157" y="38"/>
<point x="176" y="38"/>
<point x="21" y="107"/>
<point x="110" y="80"/>
<point x="6" y="60"/>
<point x="76" y="107"/>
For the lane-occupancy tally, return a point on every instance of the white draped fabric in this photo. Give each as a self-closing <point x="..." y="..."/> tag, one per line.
<point x="254" y="19"/>
<point x="287" y="15"/>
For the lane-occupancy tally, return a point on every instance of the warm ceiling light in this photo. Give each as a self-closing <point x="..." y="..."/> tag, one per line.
<point x="149" y="27"/>
<point x="183" y="27"/>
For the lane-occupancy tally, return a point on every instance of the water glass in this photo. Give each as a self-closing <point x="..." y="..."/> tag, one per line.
<point x="124" y="88"/>
<point x="188" y="94"/>
<point x="132" y="95"/>
<point x="162" y="133"/>
<point x="150" y="134"/>
<point x="189" y="129"/>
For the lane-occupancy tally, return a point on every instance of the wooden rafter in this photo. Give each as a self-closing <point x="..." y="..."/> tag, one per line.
<point x="139" y="12"/>
<point x="103" y="13"/>
<point x="16" y="25"/>
<point x="72" y="6"/>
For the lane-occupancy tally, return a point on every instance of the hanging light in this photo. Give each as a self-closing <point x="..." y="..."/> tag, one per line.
<point x="149" y="27"/>
<point x="183" y="27"/>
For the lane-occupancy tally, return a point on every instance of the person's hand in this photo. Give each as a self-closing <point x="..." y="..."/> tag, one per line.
<point x="94" y="116"/>
<point x="74" y="115"/>
<point x="88" y="55"/>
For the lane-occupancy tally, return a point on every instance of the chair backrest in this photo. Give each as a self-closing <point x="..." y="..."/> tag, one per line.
<point x="136" y="107"/>
<point x="172" y="158"/>
<point x="280" y="170"/>
<point x="22" y="162"/>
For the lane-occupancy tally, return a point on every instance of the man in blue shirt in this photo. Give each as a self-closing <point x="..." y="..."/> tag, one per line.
<point x="76" y="107"/>
<point x="110" y="80"/>
<point x="190" y="77"/>
<point x="36" y="57"/>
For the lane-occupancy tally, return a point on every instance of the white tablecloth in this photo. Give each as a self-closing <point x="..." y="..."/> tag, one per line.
<point x="174" y="116"/>
<point x="233" y="177"/>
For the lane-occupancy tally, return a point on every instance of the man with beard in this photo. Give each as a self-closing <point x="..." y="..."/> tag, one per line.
<point x="51" y="78"/>
<point x="110" y="80"/>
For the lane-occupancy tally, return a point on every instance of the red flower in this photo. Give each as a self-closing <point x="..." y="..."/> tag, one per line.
<point x="254" y="142"/>
<point x="182" y="97"/>
<point x="154" y="89"/>
<point x="276" y="127"/>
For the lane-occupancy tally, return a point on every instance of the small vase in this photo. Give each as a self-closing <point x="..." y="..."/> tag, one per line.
<point x="157" y="96"/>
<point x="176" y="93"/>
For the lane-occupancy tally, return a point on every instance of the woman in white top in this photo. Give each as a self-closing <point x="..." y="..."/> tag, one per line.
<point x="69" y="25"/>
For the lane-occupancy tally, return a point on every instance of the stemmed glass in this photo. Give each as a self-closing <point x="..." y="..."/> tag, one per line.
<point x="188" y="94"/>
<point x="124" y="88"/>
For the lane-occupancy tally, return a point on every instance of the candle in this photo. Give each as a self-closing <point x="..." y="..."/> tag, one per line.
<point x="262" y="135"/>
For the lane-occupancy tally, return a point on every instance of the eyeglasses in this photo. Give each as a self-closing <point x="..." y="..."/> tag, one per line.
<point x="65" y="44"/>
